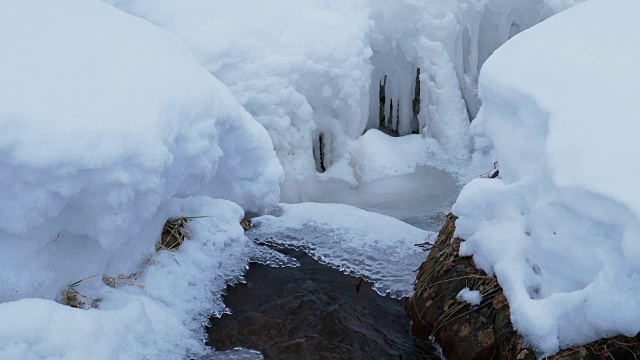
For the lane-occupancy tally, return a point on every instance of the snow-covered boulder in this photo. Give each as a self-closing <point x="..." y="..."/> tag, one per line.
<point x="104" y="119"/>
<point x="561" y="228"/>
<point x="108" y="127"/>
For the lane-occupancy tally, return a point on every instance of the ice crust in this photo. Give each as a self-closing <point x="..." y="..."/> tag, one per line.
<point x="560" y="229"/>
<point x="376" y="247"/>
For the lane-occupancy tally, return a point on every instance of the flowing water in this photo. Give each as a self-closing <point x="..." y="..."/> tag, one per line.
<point x="314" y="311"/>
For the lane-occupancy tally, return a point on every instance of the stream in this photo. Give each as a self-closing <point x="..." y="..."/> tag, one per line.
<point x="316" y="311"/>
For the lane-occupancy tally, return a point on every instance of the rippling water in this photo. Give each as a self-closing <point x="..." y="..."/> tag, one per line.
<point x="314" y="311"/>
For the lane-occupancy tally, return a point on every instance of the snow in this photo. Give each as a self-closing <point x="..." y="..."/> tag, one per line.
<point x="560" y="228"/>
<point x="312" y="68"/>
<point x="98" y="138"/>
<point x="161" y="317"/>
<point x="109" y="126"/>
<point x="376" y="247"/>
<point x="419" y="198"/>
<point x="473" y="297"/>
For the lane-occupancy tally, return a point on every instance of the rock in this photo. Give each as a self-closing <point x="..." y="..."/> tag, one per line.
<point x="485" y="331"/>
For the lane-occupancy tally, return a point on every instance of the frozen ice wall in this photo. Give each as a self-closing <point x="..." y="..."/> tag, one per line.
<point x="427" y="56"/>
<point x="561" y="228"/>
<point x="104" y="119"/>
<point x="311" y="71"/>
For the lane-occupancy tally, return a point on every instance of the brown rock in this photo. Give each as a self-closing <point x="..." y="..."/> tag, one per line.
<point x="484" y="331"/>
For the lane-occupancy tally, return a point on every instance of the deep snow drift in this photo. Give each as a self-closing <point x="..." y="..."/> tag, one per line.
<point x="561" y="229"/>
<point x="107" y="126"/>
<point x="313" y="70"/>
<point x="379" y="248"/>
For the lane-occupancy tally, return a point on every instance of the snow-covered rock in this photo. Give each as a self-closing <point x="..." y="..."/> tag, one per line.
<point x="108" y="126"/>
<point x="104" y="118"/>
<point x="560" y="229"/>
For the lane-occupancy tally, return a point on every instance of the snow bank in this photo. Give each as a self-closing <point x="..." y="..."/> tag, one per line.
<point x="105" y="122"/>
<point x="561" y="229"/>
<point x="311" y="72"/>
<point x="357" y="242"/>
<point x="96" y="138"/>
<point x="158" y="318"/>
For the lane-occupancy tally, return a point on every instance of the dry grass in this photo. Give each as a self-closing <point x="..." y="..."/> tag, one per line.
<point x="173" y="234"/>
<point x="119" y="280"/>
<point x="246" y="224"/>
<point x="616" y="348"/>
<point x="131" y="279"/>
<point x="444" y="260"/>
<point x="71" y="296"/>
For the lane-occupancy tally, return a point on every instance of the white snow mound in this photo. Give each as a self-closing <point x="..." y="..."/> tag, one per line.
<point x="108" y="127"/>
<point x="159" y="317"/>
<point x="100" y="127"/>
<point x="561" y="229"/>
<point x="472" y="297"/>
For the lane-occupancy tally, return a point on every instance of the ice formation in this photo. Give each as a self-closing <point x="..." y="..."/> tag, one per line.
<point x="379" y="248"/>
<point x="311" y="72"/>
<point x="561" y="228"/>
<point x="108" y="126"/>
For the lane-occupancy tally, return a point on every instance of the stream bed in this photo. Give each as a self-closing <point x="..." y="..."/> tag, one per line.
<point x="314" y="311"/>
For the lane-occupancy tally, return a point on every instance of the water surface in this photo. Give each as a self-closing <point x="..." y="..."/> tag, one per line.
<point x="314" y="311"/>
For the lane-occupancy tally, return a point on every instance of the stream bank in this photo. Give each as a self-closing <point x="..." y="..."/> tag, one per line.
<point x="483" y="331"/>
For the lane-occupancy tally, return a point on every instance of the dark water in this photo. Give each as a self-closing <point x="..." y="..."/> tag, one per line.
<point x="314" y="311"/>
